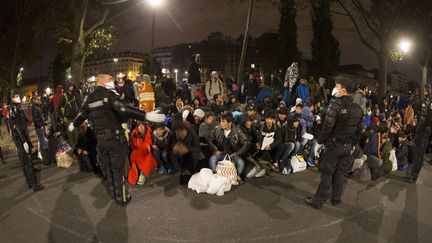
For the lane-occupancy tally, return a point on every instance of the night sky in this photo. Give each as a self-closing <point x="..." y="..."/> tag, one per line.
<point x="179" y="21"/>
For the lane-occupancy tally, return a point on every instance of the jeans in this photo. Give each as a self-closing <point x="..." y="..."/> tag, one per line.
<point x="287" y="96"/>
<point x="161" y="158"/>
<point x="43" y="141"/>
<point x="193" y="89"/>
<point x="289" y="148"/>
<point x="237" y="160"/>
<point x="313" y="143"/>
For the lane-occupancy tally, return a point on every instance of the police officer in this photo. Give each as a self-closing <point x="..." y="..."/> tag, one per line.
<point x="106" y="111"/>
<point x="342" y="126"/>
<point x="422" y="133"/>
<point x="18" y="121"/>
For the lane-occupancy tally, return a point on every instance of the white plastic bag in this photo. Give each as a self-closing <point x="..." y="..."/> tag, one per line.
<point x="298" y="163"/>
<point x="219" y="185"/>
<point x="393" y="159"/>
<point x="200" y="181"/>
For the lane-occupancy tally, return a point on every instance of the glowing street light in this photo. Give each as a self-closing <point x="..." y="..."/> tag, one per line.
<point x="176" y="70"/>
<point x="155" y="3"/>
<point x="253" y="66"/>
<point x="21" y="69"/>
<point x="186" y="72"/>
<point x="69" y="76"/>
<point x="115" y="60"/>
<point x="404" y="46"/>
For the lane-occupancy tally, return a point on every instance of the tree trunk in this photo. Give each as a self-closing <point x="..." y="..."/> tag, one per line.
<point x="245" y="44"/>
<point x="424" y="79"/>
<point x="78" y="57"/>
<point x="382" y="75"/>
<point x="13" y="69"/>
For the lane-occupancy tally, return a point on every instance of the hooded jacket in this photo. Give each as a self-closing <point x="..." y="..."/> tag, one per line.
<point x="359" y="98"/>
<point x="141" y="156"/>
<point x="69" y="104"/>
<point x="58" y="95"/>
<point x="306" y="122"/>
<point x="194" y="73"/>
<point x="214" y="86"/>
<point x="303" y="92"/>
<point x="273" y="132"/>
<point x="162" y="142"/>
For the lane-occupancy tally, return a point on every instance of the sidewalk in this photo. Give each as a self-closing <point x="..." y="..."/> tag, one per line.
<point x="74" y="207"/>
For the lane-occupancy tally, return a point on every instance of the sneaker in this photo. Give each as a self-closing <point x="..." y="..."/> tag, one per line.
<point x="161" y="171"/>
<point x="311" y="163"/>
<point x="171" y="171"/>
<point x="404" y="168"/>
<point x="285" y="171"/>
<point x="309" y="201"/>
<point x="261" y="173"/>
<point x="274" y="167"/>
<point x="141" y="180"/>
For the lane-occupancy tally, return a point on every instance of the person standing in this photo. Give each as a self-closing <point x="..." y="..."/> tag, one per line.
<point x="18" y="120"/>
<point x="422" y="133"/>
<point x="40" y="122"/>
<point x="106" y="111"/>
<point x="214" y="86"/>
<point x="341" y="127"/>
<point x="251" y="88"/>
<point x="68" y="108"/>
<point x="194" y="77"/>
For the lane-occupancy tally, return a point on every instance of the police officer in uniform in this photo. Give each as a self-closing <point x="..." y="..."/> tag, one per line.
<point x="18" y="121"/>
<point x="106" y="111"/>
<point x="341" y="128"/>
<point x="422" y="133"/>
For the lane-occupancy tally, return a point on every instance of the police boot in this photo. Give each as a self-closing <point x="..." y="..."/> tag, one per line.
<point x="108" y="183"/>
<point x="122" y="196"/>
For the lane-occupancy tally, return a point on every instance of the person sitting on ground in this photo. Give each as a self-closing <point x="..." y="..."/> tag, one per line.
<point x="228" y="139"/>
<point x="270" y="131"/>
<point x="141" y="160"/>
<point x="184" y="150"/>
<point x="161" y="137"/>
<point x="402" y="151"/>
<point x="218" y="104"/>
<point x="207" y="126"/>
<point x="252" y="135"/>
<point x="198" y="116"/>
<point x="387" y="165"/>
<point x="251" y="113"/>
<point x="86" y="150"/>
<point x="233" y="104"/>
<point x="307" y="126"/>
<point x="196" y="103"/>
<point x="374" y="160"/>
<point x="292" y="144"/>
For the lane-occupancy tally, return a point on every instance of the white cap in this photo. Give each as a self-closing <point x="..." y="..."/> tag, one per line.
<point x="317" y="118"/>
<point x="185" y="114"/>
<point x="199" y="113"/>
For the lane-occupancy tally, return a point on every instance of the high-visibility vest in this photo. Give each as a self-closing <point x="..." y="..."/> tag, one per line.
<point x="146" y="97"/>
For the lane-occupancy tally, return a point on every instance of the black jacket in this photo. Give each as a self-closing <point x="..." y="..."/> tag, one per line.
<point x="191" y="141"/>
<point x="38" y="116"/>
<point x="162" y="142"/>
<point x="402" y="153"/>
<point x="343" y="122"/>
<point x="194" y="73"/>
<point x="273" y="132"/>
<point x="69" y="105"/>
<point x="236" y="142"/>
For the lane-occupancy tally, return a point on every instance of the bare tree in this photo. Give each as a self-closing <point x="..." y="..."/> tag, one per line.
<point x="375" y="23"/>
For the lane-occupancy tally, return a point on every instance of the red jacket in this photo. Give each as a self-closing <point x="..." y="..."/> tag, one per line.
<point x="141" y="157"/>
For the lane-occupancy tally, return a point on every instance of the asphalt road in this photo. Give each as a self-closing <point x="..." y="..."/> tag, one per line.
<point x="74" y="207"/>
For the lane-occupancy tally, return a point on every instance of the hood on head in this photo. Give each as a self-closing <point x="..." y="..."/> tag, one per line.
<point x="321" y="81"/>
<point x="59" y="88"/>
<point x="214" y="75"/>
<point x="305" y="113"/>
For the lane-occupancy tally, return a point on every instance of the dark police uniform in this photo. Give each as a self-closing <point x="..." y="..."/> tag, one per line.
<point x="422" y="136"/>
<point x="18" y="121"/>
<point x="341" y="128"/>
<point x="107" y="112"/>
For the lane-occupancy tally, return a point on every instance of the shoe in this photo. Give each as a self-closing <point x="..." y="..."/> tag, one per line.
<point x="119" y="200"/>
<point x="261" y="173"/>
<point x="285" y="171"/>
<point x="141" y="180"/>
<point x="161" y="171"/>
<point x="275" y="167"/>
<point x="311" y="163"/>
<point x="336" y="202"/>
<point x="309" y="201"/>
<point x="171" y="171"/>
<point x="38" y="187"/>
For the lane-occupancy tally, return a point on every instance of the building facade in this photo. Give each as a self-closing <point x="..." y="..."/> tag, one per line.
<point x="123" y="64"/>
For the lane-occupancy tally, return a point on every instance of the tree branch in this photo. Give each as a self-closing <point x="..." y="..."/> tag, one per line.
<point x="362" y="38"/>
<point x="338" y="13"/>
<point x="366" y="16"/>
<point x="97" y="23"/>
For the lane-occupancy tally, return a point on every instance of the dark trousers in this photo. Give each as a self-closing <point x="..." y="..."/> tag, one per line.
<point x="53" y="143"/>
<point x="421" y="142"/>
<point x="113" y="151"/>
<point x="185" y="163"/>
<point x="336" y="161"/>
<point x="26" y="163"/>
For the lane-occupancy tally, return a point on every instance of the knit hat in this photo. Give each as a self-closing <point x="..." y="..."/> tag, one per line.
<point x="199" y="113"/>
<point x="298" y="101"/>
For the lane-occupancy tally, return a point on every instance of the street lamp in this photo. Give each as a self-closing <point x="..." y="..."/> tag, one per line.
<point x="176" y="76"/>
<point x="405" y="45"/>
<point x="21" y="69"/>
<point x="154" y="4"/>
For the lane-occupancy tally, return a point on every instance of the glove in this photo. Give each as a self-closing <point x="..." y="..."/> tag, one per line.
<point x="318" y="149"/>
<point x="26" y="147"/>
<point x="154" y="116"/>
<point x="71" y="127"/>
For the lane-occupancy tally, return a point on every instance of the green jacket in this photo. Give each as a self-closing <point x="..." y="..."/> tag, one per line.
<point x="385" y="156"/>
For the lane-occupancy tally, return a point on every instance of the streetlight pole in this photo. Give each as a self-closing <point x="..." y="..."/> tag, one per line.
<point x="152" y="43"/>
<point x="245" y="43"/>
